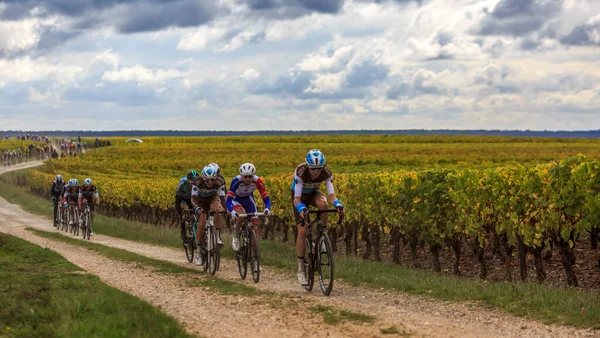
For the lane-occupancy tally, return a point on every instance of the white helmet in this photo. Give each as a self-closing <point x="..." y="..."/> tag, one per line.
<point x="247" y="169"/>
<point x="216" y="166"/>
<point x="209" y="172"/>
<point x="87" y="182"/>
<point x="58" y="178"/>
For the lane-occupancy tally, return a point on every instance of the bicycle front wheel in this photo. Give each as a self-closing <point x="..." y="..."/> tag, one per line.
<point x="88" y="223"/>
<point x="213" y="253"/>
<point x="254" y="257"/>
<point x="242" y="257"/>
<point x="309" y="265"/>
<point x="325" y="263"/>
<point x="84" y="226"/>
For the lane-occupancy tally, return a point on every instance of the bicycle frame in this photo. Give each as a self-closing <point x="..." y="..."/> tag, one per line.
<point x="313" y="263"/>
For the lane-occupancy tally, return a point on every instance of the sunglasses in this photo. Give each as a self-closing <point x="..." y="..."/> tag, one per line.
<point x="247" y="176"/>
<point x="315" y="169"/>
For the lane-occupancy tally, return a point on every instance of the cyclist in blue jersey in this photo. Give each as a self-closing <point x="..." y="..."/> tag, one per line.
<point x="308" y="177"/>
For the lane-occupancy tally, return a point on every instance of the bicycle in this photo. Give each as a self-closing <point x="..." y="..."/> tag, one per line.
<point x="57" y="212"/>
<point x="321" y="246"/>
<point x="210" y="250"/>
<point x="74" y="229"/>
<point x="189" y="244"/>
<point x="86" y="224"/>
<point x="248" y="251"/>
<point x="64" y="216"/>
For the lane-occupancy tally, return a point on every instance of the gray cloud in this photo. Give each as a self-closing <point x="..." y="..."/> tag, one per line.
<point x="519" y="17"/>
<point x="144" y="17"/>
<point x="323" y="6"/>
<point x="136" y="16"/>
<point x="366" y="74"/>
<point x="123" y="93"/>
<point x="586" y="34"/>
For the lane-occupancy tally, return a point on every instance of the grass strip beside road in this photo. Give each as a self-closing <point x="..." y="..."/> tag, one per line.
<point x="44" y="295"/>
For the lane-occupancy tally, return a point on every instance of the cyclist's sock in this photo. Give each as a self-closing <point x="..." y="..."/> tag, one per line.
<point x="301" y="264"/>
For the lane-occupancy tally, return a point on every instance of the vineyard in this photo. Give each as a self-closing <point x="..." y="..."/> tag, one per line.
<point x="445" y="194"/>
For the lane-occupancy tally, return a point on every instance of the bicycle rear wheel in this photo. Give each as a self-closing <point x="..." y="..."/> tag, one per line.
<point x="309" y="265"/>
<point x="188" y="244"/>
<point x="254" y="256"/>
<point x="242" y="257"/>
<point x="325" y="263"/>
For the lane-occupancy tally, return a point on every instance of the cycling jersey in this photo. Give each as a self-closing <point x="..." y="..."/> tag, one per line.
<point x="239" y="191"/>
<point x="200" y="189"/>
<point x="183" y="189"/>
<point x="57" y="188"/>
<point x="88" y="191"/>
<point x="303" y="183"/>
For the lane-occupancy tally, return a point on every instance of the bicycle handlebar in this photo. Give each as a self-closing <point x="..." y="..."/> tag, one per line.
<point x="319" y="212"/>
<point x="252" y="214"/>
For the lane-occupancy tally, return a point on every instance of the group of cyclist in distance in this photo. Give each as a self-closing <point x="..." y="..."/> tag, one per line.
<point x="206" y="191"/>
<point x="67" y="194"/>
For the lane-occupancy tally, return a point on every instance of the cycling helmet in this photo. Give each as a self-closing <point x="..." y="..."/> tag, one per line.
<point x="247" y="169"/>
<point x="87" y="182"/>
<point x="58" y="178"/>
<point x="209" y="172"/>
<point x="183" y="179"/>
<point x="315" y="158"/>
<point x="216" y="166"/>
<point x="74" y="182"/>
<point x="192" y="175"/>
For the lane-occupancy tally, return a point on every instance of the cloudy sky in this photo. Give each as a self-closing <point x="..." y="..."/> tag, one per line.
<point x="299" y="64"/>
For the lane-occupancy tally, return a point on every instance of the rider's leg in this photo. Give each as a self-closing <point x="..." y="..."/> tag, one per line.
<point x="320" y="201"/>
<point x="178" y="200"/>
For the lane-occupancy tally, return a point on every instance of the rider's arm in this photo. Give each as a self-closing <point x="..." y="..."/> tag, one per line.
<point x="297" y="189"/>
<point x="97" y="197"/>
<point x="79" y="198"/>
<point x="330" y="191"/>
<point x="194" y="196"/>
<point x="264" y="194"/>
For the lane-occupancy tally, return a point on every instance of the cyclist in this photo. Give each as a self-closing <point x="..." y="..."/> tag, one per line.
<point x="184" y="194"/>
<point x="56" y="191"/>
<point x="308" y="177"/>
<point x="224" y="187"/>
<point x="206" y="193"/>
<point x="240" y="199"/>
<point x="71" y="196"/>
<point x="85" y="194"/>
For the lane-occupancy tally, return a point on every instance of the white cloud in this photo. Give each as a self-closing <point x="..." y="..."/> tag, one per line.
<point x="16" y="36"/>
<point x="141" y="75"/>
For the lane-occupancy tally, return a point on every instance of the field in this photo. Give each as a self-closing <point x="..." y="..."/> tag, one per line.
<point x="492" y="195"/>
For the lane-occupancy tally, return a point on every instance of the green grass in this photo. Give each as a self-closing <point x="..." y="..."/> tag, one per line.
<point x="394" y="330"/>
<point x="548" y="304"/>
<point x="43" y="295"/>
<point x="334" y="316"/>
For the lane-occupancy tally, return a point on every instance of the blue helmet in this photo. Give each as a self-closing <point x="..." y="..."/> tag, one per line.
<point x="192" y="175"/>
<point x="209" y="172"/>
<point x="315" y="158"/>
<point x="183" y="179"/>
<point x="87" y="182"/>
